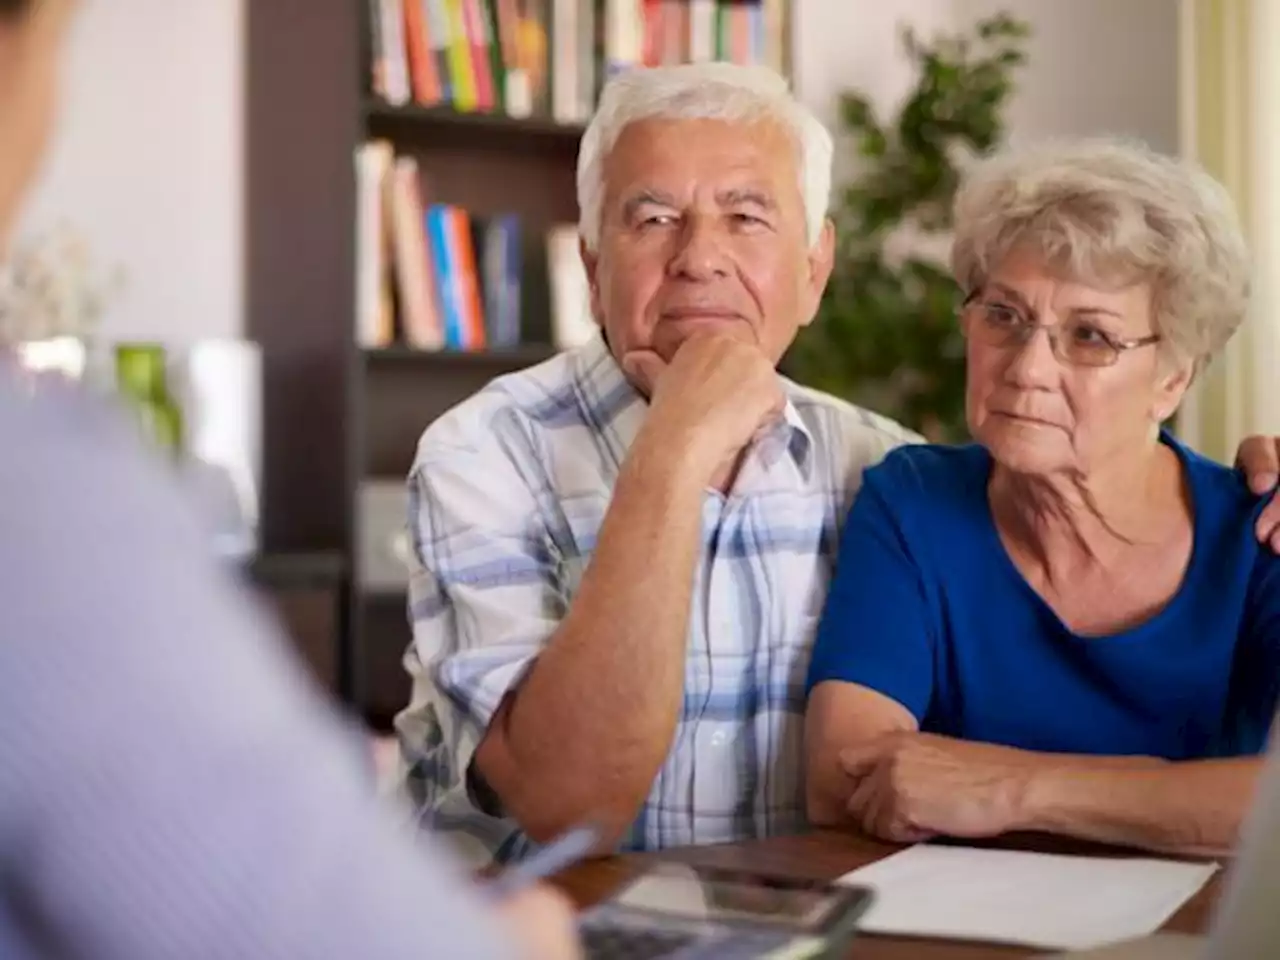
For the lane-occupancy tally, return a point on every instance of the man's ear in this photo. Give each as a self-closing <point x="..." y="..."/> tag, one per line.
<point x="821" y="259"/>
<point x="591" y="265"/>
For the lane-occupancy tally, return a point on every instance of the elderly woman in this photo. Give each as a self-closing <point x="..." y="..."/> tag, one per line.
<point x="1070" y="625"/>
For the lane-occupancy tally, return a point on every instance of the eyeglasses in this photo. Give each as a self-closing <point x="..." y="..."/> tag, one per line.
<point x="1076" y="340"/>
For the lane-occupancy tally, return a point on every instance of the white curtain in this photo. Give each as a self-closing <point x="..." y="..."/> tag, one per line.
<point x="1229" y="99"/>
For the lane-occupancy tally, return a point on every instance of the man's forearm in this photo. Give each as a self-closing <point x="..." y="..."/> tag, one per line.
<point x="1196" y="807"/>
<point x="585" y="733"/>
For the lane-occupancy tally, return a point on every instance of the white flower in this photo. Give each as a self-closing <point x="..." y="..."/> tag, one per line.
<point x="50" y="288"/>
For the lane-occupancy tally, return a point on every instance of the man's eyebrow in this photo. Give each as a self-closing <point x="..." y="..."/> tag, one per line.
<point x="646" y="198"/>
<point x="729" y="198"/>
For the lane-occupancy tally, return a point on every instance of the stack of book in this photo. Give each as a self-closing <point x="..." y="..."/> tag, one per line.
<point x="550" y="58"/>
<point x="434" y="276"/>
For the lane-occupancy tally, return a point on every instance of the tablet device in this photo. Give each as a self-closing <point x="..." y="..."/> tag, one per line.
<point x="684" y="912"/>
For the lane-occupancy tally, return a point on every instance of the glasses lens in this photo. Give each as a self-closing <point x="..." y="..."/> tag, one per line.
<point x="1078" y="342"/>
<point x="995" y="323"/>
<point x="1081" y="342"/>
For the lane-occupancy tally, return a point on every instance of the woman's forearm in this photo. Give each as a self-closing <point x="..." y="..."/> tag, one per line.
<point x="1195" y="807"/>
<point x="841" y="715"/>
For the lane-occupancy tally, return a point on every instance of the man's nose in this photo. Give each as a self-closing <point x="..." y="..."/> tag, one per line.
<point x="700" y="253"/>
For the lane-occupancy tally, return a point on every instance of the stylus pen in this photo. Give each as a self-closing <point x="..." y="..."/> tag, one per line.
<point x="565" y="850"/>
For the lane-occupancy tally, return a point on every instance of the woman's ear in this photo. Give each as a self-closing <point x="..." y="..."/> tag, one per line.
<point x="1174" y="378"/>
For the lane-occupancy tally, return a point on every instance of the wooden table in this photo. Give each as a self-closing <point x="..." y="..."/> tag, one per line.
<point x="825" y="856"/>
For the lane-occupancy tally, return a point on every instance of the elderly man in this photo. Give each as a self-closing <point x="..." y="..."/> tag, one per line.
<point x="624" y="550"/>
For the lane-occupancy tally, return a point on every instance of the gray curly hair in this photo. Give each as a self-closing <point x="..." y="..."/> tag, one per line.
<point x="1111" y="211"/>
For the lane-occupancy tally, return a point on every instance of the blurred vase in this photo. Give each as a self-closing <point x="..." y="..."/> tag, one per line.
<point x="141" y="379"/>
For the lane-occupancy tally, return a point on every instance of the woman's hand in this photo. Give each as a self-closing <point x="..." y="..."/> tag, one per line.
<point x="911" y="786"/>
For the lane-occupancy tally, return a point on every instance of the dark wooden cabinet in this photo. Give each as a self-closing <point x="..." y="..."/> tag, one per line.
<point x="336" y="415"/>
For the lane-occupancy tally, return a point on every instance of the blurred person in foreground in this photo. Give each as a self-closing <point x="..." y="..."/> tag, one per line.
<point x="1069" y="625"/>
<point x="623" y="552"/>
<point x="170" y="786"/>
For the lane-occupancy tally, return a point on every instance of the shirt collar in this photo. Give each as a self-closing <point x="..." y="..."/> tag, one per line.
<point x="616" y="411"/>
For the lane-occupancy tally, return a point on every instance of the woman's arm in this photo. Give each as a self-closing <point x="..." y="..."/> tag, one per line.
<point x="871" y="672"/>
<point x="840" y="716"/>
<point x="1193" y="807"/>
<point x="920" y="784"/>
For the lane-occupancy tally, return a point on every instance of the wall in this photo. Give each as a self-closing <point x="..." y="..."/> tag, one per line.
<point x="1096" y="66"/>
<point x="854" y="45"/>
<point x="147" y="162"/>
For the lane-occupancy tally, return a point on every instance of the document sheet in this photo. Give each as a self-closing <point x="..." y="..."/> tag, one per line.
<point x="1032" y="899"/>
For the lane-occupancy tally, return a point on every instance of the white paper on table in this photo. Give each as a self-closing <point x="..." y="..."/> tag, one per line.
<point x="1030" y="899"/>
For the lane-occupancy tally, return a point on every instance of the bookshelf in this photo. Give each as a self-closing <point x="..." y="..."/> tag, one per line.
<point x="344" y="410"/>
<point x="467" y="129"/>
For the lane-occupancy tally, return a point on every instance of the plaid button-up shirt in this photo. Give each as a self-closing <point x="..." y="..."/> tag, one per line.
<point x="507" y="494"/>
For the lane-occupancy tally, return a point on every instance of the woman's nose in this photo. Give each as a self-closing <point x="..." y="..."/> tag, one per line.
<point x="1034" y="363"/>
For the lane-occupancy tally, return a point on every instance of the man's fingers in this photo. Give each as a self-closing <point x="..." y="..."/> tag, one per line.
<point x="1261" y="480"/>
<point x="1260" y="460"/>
<point x="1268" y="525"/>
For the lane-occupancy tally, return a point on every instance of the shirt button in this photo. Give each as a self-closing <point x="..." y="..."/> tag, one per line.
<point x="719" y="738"/>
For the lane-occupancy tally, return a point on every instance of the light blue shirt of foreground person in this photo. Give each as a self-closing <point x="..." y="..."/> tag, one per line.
<point x="169" y="784"/>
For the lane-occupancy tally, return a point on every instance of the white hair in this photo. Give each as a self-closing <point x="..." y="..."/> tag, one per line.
<point x="1109" y="209"/>
<point x="702" y="91"/>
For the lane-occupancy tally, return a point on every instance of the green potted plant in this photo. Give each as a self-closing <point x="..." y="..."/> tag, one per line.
<point x="886" y="335"/>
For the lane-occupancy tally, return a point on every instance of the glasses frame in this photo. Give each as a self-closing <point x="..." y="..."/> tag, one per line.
<point x="1118" y="346"/>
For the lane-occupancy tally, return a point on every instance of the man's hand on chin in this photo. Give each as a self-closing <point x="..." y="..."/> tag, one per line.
<point x="713" y="398"/>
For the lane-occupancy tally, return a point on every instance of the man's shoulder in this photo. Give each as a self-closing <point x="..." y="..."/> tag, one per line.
<point x="855" y="431"/>
<point x="510" y="407"/>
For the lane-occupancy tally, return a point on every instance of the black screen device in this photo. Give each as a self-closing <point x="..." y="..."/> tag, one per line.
<point x="677" y="911"/>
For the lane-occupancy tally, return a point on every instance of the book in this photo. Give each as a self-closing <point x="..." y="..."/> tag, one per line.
<point x="551" y="58"/>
